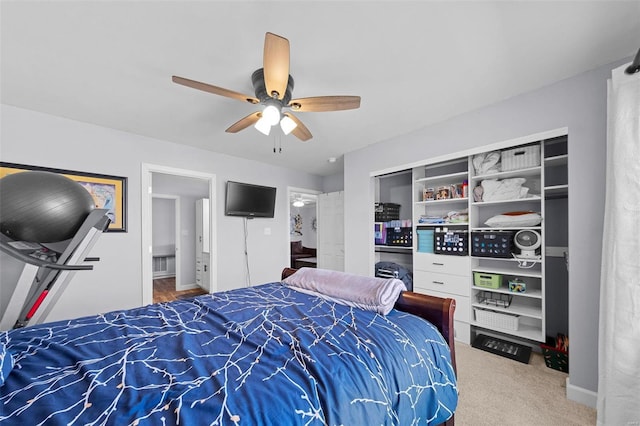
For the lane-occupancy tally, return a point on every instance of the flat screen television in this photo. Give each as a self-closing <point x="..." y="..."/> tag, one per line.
<point x="247" y="200"/>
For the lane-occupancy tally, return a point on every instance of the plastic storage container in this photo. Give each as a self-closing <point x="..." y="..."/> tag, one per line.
<point x="385" y="212"/>
<point x="425" y="240"/>
<point x="485" y="280"/>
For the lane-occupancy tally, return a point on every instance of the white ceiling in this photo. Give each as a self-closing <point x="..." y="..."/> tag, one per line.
<point x="413" y="63"/>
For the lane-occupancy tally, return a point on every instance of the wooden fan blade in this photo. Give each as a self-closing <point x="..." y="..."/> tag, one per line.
<point x="301" y="132"/>
<point x="214" y="89"/>
<point x="244" y="123"/>
<point x="325" y="103"/>
<point x="276" y="64"/>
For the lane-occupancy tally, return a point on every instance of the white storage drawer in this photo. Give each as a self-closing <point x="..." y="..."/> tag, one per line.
<point x="463" y="304"/>
<point x="462" y="332"/>
<point x="445" y="283"/>
<point x="442" y="263"/>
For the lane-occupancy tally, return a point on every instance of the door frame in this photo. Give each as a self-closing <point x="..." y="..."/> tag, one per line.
<point x="295" y="190"/>
<point x="146" y="197"/>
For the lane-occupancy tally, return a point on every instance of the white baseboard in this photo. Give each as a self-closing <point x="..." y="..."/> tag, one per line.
<point x="163" y="274"/>
<point x="581" y="395"/>
<point x="188" y="287"/>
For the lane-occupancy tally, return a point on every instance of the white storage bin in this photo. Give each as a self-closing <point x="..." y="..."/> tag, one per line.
<point x="496" y="319"/>
<point x="520" y="158"/>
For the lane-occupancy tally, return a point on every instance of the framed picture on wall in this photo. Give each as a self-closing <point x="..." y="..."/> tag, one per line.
<point x="108" y="192"/>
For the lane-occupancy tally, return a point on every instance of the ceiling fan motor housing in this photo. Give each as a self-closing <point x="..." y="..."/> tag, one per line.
<point x="260" y="89"/>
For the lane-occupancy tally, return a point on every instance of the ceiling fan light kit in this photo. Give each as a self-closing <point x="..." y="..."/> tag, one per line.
<point x="273" y="85"/>
<point x="287" y="125"/>
<point x="263" y="126"/>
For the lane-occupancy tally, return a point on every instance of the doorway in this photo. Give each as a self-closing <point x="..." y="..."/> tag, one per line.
<point x="187" y="186"/>
<point x="303" y="227"/>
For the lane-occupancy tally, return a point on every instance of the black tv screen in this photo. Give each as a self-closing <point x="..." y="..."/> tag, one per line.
<point x="247" y="200"/>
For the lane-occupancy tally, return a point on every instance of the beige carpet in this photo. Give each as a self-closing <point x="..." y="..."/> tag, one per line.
<point x="498" y="391"/>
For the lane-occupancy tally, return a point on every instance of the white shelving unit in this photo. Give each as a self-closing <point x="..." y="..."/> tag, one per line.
<point x="531" y="305"/>
<point x="452" y="276"/>
<point x="541" y="309"/>
<point x="528" y="306"/>
<point x="436" y="274"/>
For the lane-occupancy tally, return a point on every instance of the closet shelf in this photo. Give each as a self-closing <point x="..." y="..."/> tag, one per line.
<point x="445" y="201"/>
<point x="530" y="171"/>
<point x="450" y="178"/>
<point x="517" y="200"/>
<point x="558" y="160"/>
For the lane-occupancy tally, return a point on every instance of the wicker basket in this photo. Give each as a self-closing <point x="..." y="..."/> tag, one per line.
<point x="520" y="158"/>
<point x="496" y="319"/>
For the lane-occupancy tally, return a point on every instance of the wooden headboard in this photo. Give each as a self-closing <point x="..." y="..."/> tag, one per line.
<point x="437" y="310"/>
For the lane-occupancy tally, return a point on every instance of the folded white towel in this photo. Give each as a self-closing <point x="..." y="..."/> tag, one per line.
<point x="506" y="189"/>
<point x="370" y="293"/>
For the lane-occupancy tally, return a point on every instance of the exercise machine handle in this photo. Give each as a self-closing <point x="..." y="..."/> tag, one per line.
<point x="39" y="262"/>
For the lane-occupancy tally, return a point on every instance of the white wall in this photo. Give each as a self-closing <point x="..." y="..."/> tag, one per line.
<point x="578" y="103"/>
<point x="164" y="225"/>
<point x="29" y="137"/>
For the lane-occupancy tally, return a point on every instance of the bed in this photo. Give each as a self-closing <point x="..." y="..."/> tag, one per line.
<point x="264" y="355"/>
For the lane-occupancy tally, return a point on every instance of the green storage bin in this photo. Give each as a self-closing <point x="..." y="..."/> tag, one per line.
<point x="485" y="280"/>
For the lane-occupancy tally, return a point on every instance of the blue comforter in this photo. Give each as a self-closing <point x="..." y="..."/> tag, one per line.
<point x="266" y="355"/>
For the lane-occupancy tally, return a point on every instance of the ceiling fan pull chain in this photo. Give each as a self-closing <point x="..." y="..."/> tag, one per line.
<point x="277" y="141"/>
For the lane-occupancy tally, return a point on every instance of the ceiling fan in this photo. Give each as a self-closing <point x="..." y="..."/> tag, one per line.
<point x="273" y="86"/>
<point x="301" y="200"/>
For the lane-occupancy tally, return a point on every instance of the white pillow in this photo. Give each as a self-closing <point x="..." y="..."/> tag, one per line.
<point x="514" y="220"/>
<point x="369" y="293"/>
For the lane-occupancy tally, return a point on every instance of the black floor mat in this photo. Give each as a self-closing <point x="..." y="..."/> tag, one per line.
<point x="520" y="353"/>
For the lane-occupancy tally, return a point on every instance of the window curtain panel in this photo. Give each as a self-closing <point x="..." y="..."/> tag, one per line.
<point x="619" y="340"/>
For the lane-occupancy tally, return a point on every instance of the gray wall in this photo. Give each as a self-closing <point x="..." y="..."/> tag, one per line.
<point x="397" y="189"/>
<point x="578" y="103"/>
<point x="28" y="137"/>
<point x="333" y="183"/>
<point x="164" y="226"/>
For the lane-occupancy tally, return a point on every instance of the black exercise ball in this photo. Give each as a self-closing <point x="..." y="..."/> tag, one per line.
<point x="42" y="207"/>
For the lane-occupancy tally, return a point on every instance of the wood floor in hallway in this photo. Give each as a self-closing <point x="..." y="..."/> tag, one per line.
<point x="164" y="290"/>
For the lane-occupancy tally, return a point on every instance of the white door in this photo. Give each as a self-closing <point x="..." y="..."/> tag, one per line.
<point x="331" y="231"/>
